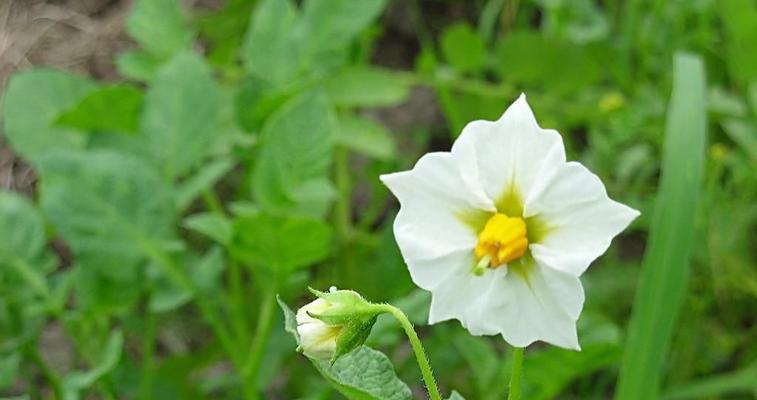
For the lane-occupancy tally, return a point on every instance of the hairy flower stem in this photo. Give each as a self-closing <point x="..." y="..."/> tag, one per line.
<point x="514" y="393"/>
<point x="415" y="343"/>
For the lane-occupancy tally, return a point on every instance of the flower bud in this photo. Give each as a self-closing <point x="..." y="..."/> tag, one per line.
<point x="334" y="324"/>
<point x="317" y="340"/>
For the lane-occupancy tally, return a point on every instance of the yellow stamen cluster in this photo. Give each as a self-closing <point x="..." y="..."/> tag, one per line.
<point x="502" y="240"/>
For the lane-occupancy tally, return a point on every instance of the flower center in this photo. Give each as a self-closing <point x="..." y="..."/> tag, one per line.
<point x="502" y="240"/>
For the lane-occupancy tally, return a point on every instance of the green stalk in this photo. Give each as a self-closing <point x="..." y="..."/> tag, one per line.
<point x="175" y="273"/>
<point x="514" y="393"/>
<point x="148" y="357"/>
<point x="33" y="278"/>
<point x="237" y="301"/>
<point x="258" y="346"/>
<point x="32" y="351"/>
<point x="415" y="343"/>
<point x="342" y="209"/>
<point x="213" y="202"/>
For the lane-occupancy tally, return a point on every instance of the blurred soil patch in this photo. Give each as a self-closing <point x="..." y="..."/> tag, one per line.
<point x="76" y="35"/>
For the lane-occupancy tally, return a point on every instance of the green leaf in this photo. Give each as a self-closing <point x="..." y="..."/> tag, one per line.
<point x="106" y="205"/>
<point x="180" y="115"/>
<point x="366" y="87"/>
<point x="103" y="290"/>
<point x="752" y="96"/>
<point x="364" y="374"/>
<point x="455" y="396"/>
<point x="112" y="108"/>
<point x="665" y="268"/>
<point x="722" y="102"/>
<point x="331" y="24"/>
<point x="166" y="297"/>
<point x="739" y="19"/>
<point x="137" y="65"/>
<point x="32" y="102"/>
<point x="204" y="271"/>
<point x="365" y="136"/>
<point x="463" y="47"/>
<point x="270" y="52"/>
<point x="80" y="380"/>
<point x="21" y="228"/>
<point x="281" y="244"/>
<point x="159" y="27"/>
<point x="744" y="133"/>
<point x="214" y="226"/>
<point x="223" y="28"/>
<point x="23" y="249"/>
<point x="205" y="177"/>
<point x="9" y="367"/>
<point x="290" y="319"/>
<point x="531" y="58"/>
<point x="296" y="153"/>
<point x="717" y="386"/>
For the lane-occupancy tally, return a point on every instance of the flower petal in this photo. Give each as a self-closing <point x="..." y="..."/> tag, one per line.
<point x="429" y="226"/>
<point x="463" y="296"/>
<point x="511" y="153"/>
<point x="581" y="219"/>
<point x="542" y="306"/>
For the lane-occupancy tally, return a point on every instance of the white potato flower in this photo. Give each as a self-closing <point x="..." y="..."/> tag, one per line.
<point x="500" y="229"/>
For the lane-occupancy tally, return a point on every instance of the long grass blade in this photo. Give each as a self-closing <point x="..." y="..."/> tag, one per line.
<point x="665" y="268"/>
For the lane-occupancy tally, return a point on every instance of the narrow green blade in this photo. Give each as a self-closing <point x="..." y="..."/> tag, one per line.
<point x="666" y="263"/>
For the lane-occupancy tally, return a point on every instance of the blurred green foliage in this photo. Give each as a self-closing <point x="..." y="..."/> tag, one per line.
<point x="239" y="158"/>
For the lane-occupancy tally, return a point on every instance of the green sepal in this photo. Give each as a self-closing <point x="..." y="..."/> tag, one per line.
<point x="353" y="335"/>
<point x="350" y="310"/>
<point x="345" y="306"/>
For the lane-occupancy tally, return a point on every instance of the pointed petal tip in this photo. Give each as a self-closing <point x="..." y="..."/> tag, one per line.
<point x="389" y="179"/>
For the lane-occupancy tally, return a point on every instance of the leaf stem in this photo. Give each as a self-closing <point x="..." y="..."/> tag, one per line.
<point x="148" y="356"/>
<point x="33" y="278"/>
<point x="213" y="202"/>
<point x="32" y="351"/>
<point x="342" y="211"/>
<point x="415" y="343"/>
<point x="258" y="346"/>
<point x="175" y="273"/>
<point x="514" y="393"/>
<point x="240" y="321"/>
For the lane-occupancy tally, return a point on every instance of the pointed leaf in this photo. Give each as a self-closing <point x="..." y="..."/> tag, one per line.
<point x="159" y="27"/>
<point x="106" y="205"/>
<point x="270" y="51"/>
<point x="111" y="108"/>
<point x="32" y="102"/>
<point x="180" y="115"/>
<point x="295" y="157"/>
<point x="364" y="374"/>
<point x="331" y="24"/>
<point x="366" y="87"/>
<point x="281" y="244"/>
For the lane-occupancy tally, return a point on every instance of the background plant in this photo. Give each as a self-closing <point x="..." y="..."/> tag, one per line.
<point x="238" y="158"/>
